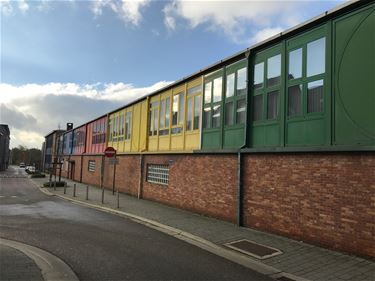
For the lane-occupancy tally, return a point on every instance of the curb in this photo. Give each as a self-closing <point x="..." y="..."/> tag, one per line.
<point x="182" y="235"/>
<point x="52" y="267"/>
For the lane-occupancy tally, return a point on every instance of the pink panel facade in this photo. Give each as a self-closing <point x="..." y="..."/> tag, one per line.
<point x="79" y="140"/>
<point x="96" y="136"/>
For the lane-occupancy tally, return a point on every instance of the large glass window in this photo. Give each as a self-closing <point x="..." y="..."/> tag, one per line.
<point x="216" y="116"/>
<point x="167" y="111"/>
<point x="230" y="85"/>
<point x="241" y="81"/>
<point x="273" y="70"/>
<point x="258" y="75"/>
<point x="258" y="107"/>
<point x="181" y="109"/>
<point x="197" y="112"/>
<point x="175" y="110"/>
<point x="315" y="96"/>
<point x="218" y="83"/>
<point x="154" y="118"/>
<point x="295" y="64"/>
<point x="207" y="117"/>
<point x="272" y="105"/>
<point x="295" y="100"/>
<point x="162" y="113"/>
<point x="229" y="113"/>
<point x="207" y="92"/>
<point x="189" y="115"/>
<point x="128" y="125"/>
<point x="316" y="57"/>
<point x="241" y="112"/>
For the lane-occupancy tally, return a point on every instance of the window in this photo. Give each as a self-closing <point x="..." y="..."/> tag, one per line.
<point x="265" y="97"/>
<point x="207" y="92"/>
<point x="315" y="96"/>
<point x="241" y="81"/>
<point x="178" y="113"/>
<point x="153" y="121"/>
<point x="272" y="105"/>
<point x="158" y="174"/>
<point x="316" y="57"/>
<point x="258" y="107"/>
<point x="241" y="112"/>
<point x="258" y="75"/>
<point x="295" y="100"/>
<point x="229" y="113"/>
<point x="307" y="96"/>
<point x="194" y="90"/>
<point x="295" y="64"/>
<point x="189" y="115"/>
<point x="193" y="108"/>
<point x="164" y="116"/>
<point x="230" y="85"/>
<point x="91" y="166"/>
<point x="197" y="112"/>
<point x="218" y="83"/>
<point x="207" y="117"/>
<point x="128" y="125"/>
<point x="235" y="103"/>
<point x="216" y="116"/>
<point x="273" y="70"/>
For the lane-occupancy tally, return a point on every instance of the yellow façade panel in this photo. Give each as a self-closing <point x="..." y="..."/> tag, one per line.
<point x="136" y="127"/>
<point x="143" y="125"/>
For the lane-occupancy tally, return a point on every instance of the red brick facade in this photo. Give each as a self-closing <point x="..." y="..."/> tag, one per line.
<point x="325" y="199"/>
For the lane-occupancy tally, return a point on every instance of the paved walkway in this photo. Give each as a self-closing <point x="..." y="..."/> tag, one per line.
<point x="298" y="261"/>
<point x="16" y="266"/>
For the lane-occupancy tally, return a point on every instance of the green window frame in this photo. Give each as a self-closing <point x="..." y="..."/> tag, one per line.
<point x="267" y="85"/>
<point x="213" y="97"/>
<point x="235" y="94"/>
<point x="306" y="91"/>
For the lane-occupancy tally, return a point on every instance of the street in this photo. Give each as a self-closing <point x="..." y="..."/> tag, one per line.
<point x="102" y="246"/>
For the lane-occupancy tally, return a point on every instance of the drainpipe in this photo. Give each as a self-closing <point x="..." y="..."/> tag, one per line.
<point x="140" y="183"/>
<point x="239" y="218"/>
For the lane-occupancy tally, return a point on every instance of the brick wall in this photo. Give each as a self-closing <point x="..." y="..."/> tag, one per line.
<point x="92" y="178"/>
<point x="76" y="167"/>
<point x="200" y="183"/>
<point x="127" y="174"/>
<point x="325" y="199"/>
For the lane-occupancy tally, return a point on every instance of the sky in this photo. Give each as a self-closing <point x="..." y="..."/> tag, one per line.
<point x="73" y="61"/>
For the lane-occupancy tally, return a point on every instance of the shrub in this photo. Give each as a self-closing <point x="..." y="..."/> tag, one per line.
<point x="38" y="175"/>
<point x="58" y="184"/>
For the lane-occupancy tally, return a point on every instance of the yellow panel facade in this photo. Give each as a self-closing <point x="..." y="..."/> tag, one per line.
<point x="143" y="126"/>
<point x="175" y="119"/>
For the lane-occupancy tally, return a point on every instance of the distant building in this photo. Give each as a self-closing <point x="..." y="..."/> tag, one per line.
<point x="50" y="148"/>
<point x="4" y="146"/>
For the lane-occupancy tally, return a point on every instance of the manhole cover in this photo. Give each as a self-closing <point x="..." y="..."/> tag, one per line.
<point x="254" y="249"/>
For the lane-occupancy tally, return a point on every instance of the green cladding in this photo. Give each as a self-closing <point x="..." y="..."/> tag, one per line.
<point x="354" y="76"/>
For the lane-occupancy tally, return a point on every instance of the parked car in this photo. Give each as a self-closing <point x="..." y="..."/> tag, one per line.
<point x="30" y="169"/>
<point x="22" y="165"/>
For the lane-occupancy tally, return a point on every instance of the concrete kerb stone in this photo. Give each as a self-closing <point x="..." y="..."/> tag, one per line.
<point x="52" y="267"/>
<point x="185" y="236"/>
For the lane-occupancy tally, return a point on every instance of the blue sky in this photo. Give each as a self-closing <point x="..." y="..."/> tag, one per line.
<point x="111" y="52"/>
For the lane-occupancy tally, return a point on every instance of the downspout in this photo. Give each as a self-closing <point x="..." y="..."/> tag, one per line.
<point x="239" y="219"/>
<point x="141" y="157"/>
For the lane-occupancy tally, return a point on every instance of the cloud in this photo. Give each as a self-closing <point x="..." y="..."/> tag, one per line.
<point x="6" y="7"/>
<point x="266" y="33"/>
<point x="239" y="20"/>
<point x="128" y="10"/>
<point x="33" y="110"/>
<point x="23" y="6"/>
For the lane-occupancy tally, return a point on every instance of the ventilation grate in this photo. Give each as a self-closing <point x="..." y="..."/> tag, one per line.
<point x="253" y="249"/>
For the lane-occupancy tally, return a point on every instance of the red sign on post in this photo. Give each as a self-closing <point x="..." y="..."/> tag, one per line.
<point x="109" y="152"/>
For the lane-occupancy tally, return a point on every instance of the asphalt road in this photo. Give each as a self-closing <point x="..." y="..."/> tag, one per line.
<point x="102" y="246"/>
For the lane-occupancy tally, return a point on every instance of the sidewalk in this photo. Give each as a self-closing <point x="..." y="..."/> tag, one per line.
<point x="298" y="261"/>
<point x="19" y="261"/>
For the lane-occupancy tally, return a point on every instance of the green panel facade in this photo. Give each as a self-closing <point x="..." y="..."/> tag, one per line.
<point x="224" y="110"/>
<point x="354" y="76"/>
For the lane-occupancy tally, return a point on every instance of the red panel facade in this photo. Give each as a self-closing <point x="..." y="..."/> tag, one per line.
<point x="96" y="136"/>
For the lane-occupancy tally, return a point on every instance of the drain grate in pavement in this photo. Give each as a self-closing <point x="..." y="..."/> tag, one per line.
<point x="253" y="249"/>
